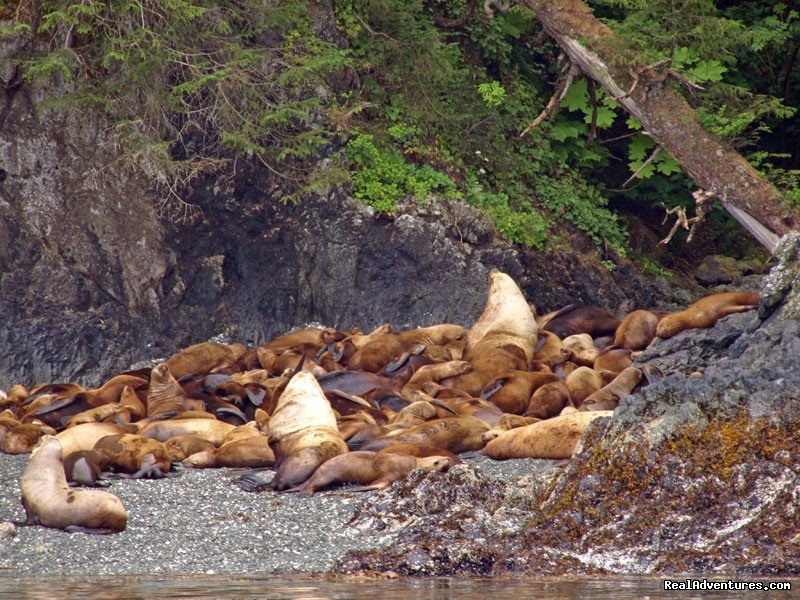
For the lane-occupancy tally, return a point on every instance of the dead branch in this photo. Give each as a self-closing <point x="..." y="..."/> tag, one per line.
<point x="561" y="90"/>
<point x="593" y="102"/>
<point x="702" y="199"/>
<point x="685" y="81"/>
<point x="650" y="159"/>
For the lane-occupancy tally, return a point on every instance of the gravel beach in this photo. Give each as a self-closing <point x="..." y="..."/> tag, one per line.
<point x="200" y="523"/>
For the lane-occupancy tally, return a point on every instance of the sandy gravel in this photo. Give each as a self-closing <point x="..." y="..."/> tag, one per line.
<point x="198" y="522"/>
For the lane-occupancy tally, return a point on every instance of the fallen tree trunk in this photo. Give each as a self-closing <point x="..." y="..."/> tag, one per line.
<point x="648" y="96"/>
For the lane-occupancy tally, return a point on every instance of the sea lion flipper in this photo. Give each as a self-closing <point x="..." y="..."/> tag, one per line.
<point x="252" y="482"/>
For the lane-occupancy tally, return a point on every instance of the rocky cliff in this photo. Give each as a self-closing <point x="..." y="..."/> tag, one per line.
<point x="94" y="277"/>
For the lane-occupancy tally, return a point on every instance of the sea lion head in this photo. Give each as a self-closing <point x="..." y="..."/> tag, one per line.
<point x="434" y="463"/>
<point x="668" y="326"/>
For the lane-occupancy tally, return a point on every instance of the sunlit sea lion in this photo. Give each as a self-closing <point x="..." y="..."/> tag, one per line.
<point x="553" y="439"/>
<point x="608" y="397"/>
<point x="637" y="330"/>
<point x="373" y="470"/>
<point x="455" y="434"/>
<point x="48" y="500"/>
<point x="303" y="432"/>
<point x="705" y="312"/>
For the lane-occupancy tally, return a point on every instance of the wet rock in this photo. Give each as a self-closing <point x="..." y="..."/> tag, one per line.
<point x="8" y="531"/>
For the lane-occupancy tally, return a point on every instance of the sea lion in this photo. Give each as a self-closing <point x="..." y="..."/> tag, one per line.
<point x="507" y="423"/>
<point x="84" y="467"/>
<point x="637" y="330"/>
<point x="553" y="439"/>
<point x="209" y="429"/>
<point x="201" y="358"/>
<point x="548" y="400"/>
<point x="379" y="352"/>
<point x="580" y="349"/>
<point x="246" y="453"/>
<point x="434" y="373"/>
<point x="136" y="455"/>
<point x="583" y="382"/>
<point x="24" y="437"/>
<point x="48" y="500"/>
<point x="303" y="432"/>
<point x="511" y="391"/>
<point x="576" y="318"/>
<point x="503" y="338"/>
<point x="550" y="349"/>
<point x="420" y="452"/>
<point x="608" y="397"/>
<point x="86" y="435"/>
<point x="373" y="470"/>
<point x="705" y="312"/>
<point x="165" y="397"/>
<point x="95" y="415"/>
<point x="613" y="358"/>
<point x="183" y="446"/>
<point x="455" y="434"/>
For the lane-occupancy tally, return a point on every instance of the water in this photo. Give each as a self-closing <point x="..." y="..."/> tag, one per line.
<point x="606" y="588"/>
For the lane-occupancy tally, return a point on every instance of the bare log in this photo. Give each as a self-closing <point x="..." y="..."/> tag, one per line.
<point x="668" y="118"/>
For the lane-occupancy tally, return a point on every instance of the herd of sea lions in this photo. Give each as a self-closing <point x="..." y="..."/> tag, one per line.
<point x="325" y="407"/>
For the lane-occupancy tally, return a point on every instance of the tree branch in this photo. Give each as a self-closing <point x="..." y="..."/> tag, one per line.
<point x="561" y="90"/>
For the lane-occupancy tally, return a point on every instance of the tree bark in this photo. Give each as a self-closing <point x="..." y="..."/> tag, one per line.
<point x="667" y="117"/>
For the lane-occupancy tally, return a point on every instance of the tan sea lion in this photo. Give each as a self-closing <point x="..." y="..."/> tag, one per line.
<point x="550" y="349"/>
<point x="548" y="400"/>
<point x="507" y="423"/>
<point x="434" y="373"/>
<point x="382" y="350"/>
<point x="580" y="349"/>
<point x="503" y="338"/>
<point x="511" y="391"/>
<point x="553" y="439"/>
<point x="420" y="452"/>
<point x="608" y="397"/>
<point x="165" y="397"/>
<point x="95" y="415"/>
<point x="637" y="330"/>
<point x="372" y="470"/>
<point x="183" y="446"/>
<point x="48" y="500"/>
<point x="303" y="432"/>
<point x="85" y="436"/>
<point x="84" y="467"/>
<point x="211" y="429"/>
<point x="705" y="312"/>
<point x="244" y="453"/>
<point x="201" y="358"/>
<point x="136" y="455"/>
<point x="455" y="434"/>
<point x="583" y="382"/>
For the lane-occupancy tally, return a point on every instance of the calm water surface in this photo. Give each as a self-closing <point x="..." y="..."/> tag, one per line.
<point x="609" y="588"/>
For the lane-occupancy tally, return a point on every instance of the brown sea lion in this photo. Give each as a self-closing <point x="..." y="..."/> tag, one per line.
<point x="575" y="318"/>
<point x="165" y="397"/>
<point x="511" y="391"/>
<point x="503" y="338"/>
<point x="637" y="330"/>
<point x="553" y="439"/>
<point x="48" y="500"/>
<point x="303" y="432"/>
<point x="136" y="455"/>
<point x="550" y="349"/>
<point x="434" y="373"/>
<point x="420" y="452"/>
<point x="583" y="382"/>
<point x="455" y="434"/>
<point x="95" y="415"/>
<point x="24" y="437"/>
<point x="382" y="350"/>
<point x="548" y="400"/>
<point x="608" y="397"/>
<point x="372" y="470"/>
<point x="84" y="467"/>
<point x="613" y="358"/>
<point x="705" y="312"/>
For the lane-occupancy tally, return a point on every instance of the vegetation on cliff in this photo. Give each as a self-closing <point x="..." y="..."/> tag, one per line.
<point x="420" y="99"/>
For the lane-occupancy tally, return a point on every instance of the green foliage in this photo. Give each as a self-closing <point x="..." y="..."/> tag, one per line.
<point x="492" y="93"/>
<point x="383" y="177"/>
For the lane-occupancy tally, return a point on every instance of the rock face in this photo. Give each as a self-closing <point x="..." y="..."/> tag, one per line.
<point x="692" y="475"/>
<point x="93" y="280"/>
